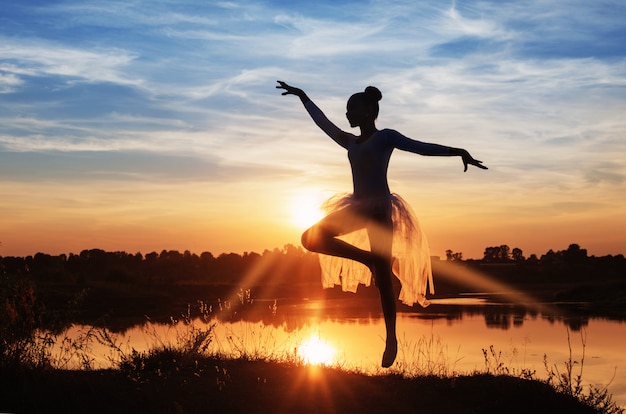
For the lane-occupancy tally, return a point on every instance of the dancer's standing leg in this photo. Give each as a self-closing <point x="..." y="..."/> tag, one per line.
<point x="381" y="236"/>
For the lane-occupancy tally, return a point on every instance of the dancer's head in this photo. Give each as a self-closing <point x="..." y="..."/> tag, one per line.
<point x="362" y="107"/>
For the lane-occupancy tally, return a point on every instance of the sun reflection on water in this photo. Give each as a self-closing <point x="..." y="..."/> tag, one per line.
<point x="316" y="351"/>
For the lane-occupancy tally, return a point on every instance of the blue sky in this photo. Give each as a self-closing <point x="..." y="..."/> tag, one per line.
<point x="119" y="117"/>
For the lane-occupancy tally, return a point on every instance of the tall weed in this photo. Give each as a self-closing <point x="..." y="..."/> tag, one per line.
<point x="429" y="356"/>
<point x="569" y="380"/>
<point x="22" y="343"/>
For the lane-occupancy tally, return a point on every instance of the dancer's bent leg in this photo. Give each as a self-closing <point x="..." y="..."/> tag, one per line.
<point x="322" y="237"/>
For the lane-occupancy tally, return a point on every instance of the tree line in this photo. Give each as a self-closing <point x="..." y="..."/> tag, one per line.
<point x="288" y="265"/>
<point x="276" y="266"/>
<point x="570" y="265"/>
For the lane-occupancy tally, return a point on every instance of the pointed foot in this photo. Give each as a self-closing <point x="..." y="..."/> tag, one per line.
<point x="389" y="356"/>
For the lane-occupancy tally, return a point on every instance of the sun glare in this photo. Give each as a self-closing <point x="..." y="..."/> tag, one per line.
<point x="305" y="211"/>
<point x="316" y="351"/>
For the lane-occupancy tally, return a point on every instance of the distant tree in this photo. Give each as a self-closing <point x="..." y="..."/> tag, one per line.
<point x="228" y="268"/>
<point x="549" y="257"/>
<point x="518" y="255"/>
<point x="504" y="254"/>
<point x="491" y="254"/>
<point x="497" y="254"/>
<point x="152" y="257"/>
<point x="453" y="256"/>
<point x="47" y="267"/>
<point x="574" y="254"/>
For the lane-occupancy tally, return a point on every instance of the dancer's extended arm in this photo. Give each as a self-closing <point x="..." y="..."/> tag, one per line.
<point x="426" y="148"/>
<point x="332" y="130"/>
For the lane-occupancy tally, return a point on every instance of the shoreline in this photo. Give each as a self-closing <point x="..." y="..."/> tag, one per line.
<point x="199" y="385"/>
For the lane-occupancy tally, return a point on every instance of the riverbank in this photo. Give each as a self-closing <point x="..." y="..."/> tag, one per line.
<point x="204" y="385"/>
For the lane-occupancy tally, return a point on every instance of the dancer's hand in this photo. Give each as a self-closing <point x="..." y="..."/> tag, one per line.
<point x="291" y="90"/>
<point x="469" y="160"/>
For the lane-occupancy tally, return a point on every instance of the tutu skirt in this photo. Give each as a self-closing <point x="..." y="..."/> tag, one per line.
<point x="410" y="251"/>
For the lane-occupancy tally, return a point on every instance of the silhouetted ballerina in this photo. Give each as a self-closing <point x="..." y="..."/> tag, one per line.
<point x="377" y="228"/>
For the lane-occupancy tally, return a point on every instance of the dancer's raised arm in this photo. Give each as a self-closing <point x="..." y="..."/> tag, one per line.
<point x="424" y="148"/>
<point x="332" y="130"/>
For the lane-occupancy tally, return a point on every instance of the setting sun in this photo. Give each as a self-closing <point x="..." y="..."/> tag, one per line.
<point x="305" y="211"/>
<point x="316" y="351"/>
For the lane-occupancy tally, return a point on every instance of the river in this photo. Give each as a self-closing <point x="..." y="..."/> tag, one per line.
<point x="462" y="335"/>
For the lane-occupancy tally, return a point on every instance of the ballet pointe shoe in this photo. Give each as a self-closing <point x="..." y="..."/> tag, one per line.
<point x="389" y="356"/>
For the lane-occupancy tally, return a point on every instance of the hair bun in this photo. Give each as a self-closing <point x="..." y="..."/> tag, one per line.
<point x="373" y="93"/>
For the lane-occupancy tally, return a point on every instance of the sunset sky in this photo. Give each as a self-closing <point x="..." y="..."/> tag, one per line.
<point x="141" y="125"/>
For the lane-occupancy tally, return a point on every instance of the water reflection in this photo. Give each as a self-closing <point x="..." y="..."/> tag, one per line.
<point x="498" y="315"/>
<point x="448" y="337"/>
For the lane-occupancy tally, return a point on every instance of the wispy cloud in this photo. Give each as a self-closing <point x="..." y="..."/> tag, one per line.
<point x="453" y="23"/>
<point x="8" y="82"/>
<point x="42" y="58"/>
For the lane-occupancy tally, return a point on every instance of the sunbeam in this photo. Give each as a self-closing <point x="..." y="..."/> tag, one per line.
<point x="483" y="282"/>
